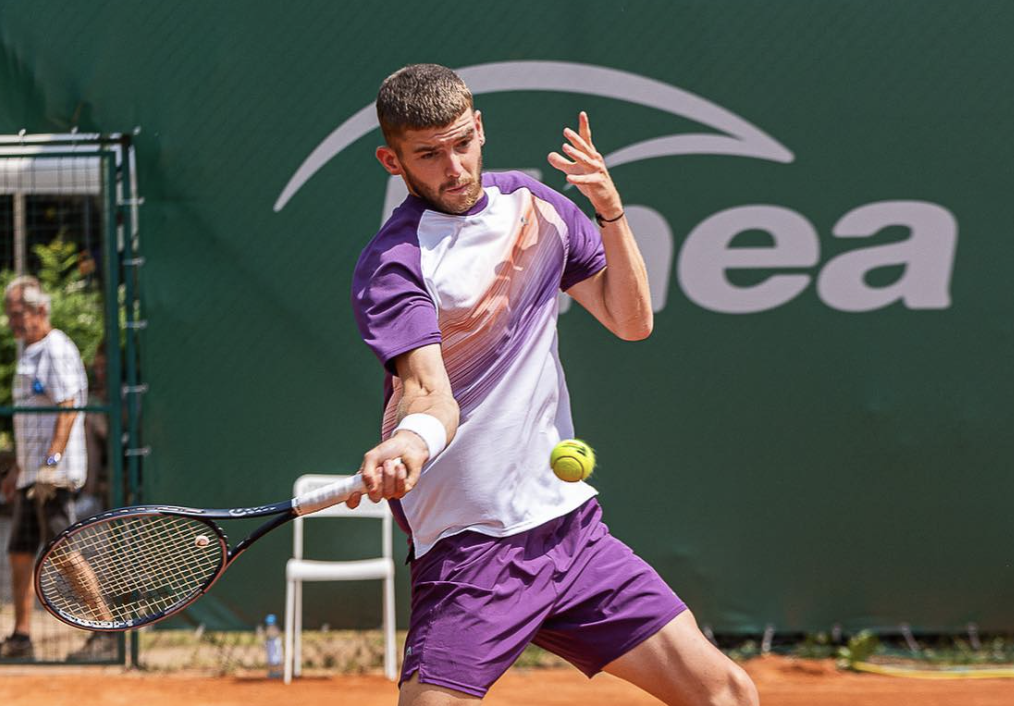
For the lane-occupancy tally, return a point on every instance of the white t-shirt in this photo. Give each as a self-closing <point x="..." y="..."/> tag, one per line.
<point x="484" y="285"/>
<point x="48" y="373"/>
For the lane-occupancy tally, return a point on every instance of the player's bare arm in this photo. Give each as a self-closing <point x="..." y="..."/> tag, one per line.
<point x="391" y="469"/>
<point x="618" y="296"/>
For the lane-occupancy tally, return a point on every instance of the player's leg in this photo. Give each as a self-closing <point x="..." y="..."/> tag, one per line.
<point x="679" y="666"/>
<point x="414" y="693"/>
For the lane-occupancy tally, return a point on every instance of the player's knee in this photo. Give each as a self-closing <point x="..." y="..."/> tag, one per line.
<point x="738" y="690"/>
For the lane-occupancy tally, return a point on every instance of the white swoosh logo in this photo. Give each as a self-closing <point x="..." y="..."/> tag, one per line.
<point x="740" y="138"/>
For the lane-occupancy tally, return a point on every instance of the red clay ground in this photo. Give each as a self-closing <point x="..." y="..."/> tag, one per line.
<point x="782" y="682"/>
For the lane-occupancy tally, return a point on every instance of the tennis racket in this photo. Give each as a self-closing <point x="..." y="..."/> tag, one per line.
<point x="138" y="565"/>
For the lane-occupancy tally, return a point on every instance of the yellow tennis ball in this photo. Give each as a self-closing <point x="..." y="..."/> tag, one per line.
<point x="572" y="460"/>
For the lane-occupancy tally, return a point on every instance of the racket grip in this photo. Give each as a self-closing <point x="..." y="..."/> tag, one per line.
<point x="329" y="495"/>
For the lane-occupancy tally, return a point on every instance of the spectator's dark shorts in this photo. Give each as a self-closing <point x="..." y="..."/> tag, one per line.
<point x="33" y="525"/>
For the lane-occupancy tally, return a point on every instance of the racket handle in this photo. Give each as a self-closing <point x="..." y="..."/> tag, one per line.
<point x="329" y="495"/>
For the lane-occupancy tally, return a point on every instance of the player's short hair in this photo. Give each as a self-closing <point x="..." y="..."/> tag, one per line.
<point x="28" y="291"/>
<point x="420" y="96"/>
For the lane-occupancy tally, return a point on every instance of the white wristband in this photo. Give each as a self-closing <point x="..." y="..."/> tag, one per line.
<point x="429" y="428"/>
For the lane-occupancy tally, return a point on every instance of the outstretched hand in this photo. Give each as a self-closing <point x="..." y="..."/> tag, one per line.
<point x="586" y="169"/>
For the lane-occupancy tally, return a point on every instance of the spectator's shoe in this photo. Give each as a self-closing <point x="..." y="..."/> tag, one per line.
<point x="17" y="646"/>
<point x="100" y="647"/>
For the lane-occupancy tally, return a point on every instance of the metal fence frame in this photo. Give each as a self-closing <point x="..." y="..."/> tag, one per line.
<point x="121" y="263"/>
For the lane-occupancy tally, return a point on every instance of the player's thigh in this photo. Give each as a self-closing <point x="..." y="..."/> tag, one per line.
<point x="413" y="693"/>
<point x="680" y="666"/>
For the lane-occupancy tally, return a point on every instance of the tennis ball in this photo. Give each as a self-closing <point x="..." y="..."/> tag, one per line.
<point x="572" y="460"/>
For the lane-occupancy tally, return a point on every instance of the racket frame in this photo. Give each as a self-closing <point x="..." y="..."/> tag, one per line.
<point x="228" y="554"/>
<point x="283" y="512"/>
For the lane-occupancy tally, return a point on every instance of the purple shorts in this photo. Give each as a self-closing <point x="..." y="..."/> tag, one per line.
<point x="568" y="586"/>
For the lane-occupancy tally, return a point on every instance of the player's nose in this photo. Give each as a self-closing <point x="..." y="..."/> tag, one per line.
<point x="454" y="167"/>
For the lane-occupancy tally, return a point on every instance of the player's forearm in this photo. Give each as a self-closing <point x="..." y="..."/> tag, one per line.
<point x="437" y="403"/>
<point x="427" y="413"/>
<point x="625" y="292"/>
<point x="621" y="299"/>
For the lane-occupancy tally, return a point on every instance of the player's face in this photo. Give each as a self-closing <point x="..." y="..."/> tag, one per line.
<point x="441" y="165"/>
<point x="26" y="325"/>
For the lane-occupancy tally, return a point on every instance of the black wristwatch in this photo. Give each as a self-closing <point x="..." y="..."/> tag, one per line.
<point x="54" y="459"/>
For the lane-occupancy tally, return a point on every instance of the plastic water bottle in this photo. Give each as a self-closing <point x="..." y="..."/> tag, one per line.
<point x="273" y="647"/>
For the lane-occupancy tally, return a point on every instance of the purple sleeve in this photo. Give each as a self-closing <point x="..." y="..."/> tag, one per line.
<point x="585" y="255"/>
<point x="393" y="310"/>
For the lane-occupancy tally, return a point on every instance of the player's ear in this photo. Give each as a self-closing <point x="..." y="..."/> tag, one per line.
<point x="388" y="159"/>
<point x="479" y="130"/>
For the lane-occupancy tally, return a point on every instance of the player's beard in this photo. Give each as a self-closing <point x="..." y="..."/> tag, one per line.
<point x="450" y="203"/>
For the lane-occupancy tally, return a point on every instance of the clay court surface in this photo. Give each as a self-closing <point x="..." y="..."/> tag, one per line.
<point x="782" y="682"/>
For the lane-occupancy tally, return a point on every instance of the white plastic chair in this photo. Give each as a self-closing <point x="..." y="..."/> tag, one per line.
<point x="298" y="570"/>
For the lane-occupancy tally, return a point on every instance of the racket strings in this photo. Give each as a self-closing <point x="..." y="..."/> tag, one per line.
<point x="158" y="568"/>
<point x="126" y="570"/>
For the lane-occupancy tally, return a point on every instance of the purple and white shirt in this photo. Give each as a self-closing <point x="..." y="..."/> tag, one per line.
<point x="484" y="285"/>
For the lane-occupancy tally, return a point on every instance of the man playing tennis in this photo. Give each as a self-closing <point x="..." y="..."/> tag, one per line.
<point x="457" y="297"/>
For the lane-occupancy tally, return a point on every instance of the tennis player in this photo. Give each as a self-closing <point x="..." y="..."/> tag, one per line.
<point x="457" y="297"/>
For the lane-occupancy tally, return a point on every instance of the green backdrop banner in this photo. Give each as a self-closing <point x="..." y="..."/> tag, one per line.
<point x="817" y="431"/>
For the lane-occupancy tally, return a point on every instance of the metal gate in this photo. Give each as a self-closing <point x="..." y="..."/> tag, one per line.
<point x="68" y="218"/>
